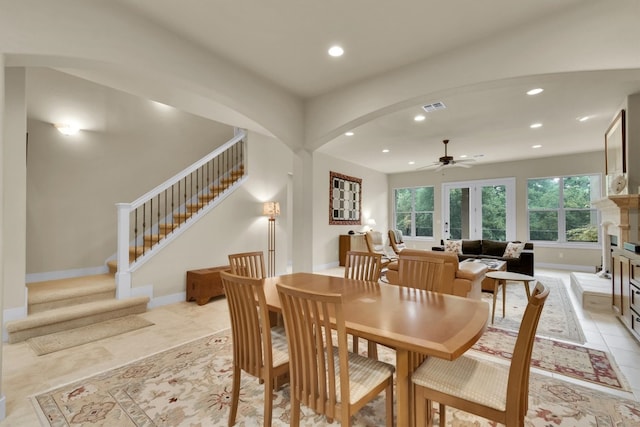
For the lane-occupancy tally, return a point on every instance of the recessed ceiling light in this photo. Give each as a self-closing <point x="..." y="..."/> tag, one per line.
<point x="412" y="162"/>
<point x="536" y="125"/>
<point x="386" y="150"/>
<point x="463" y="156"/>
<point x="419" y="118"/>
<point x="349" y="133"/>
<point x="535" y="91"/>
<point x="477" y="156"/>
<point x="583" y="118"/>
<point x="536" y="146"/>
<point x="336" y="51"/>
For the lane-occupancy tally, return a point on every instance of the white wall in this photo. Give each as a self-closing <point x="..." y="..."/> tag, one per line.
<point x="567" y="255"/>
<point x="374" y="205"/>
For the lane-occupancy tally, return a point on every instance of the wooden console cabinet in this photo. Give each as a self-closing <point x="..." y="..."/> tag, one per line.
<point x="351" y="242"/>
<point x="204" y="284"/>
<point x="625" y="289"/>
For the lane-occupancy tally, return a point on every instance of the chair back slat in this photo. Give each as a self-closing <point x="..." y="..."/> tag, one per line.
<point x="420" y="272"/>
<point x="518" y="384"/>
<point x="308" y="319"/>
<point x="248" y="264"/>
<point x="250" y="328"/>
<point x="363" y="266"/>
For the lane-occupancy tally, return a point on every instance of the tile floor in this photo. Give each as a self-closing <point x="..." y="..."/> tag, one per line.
<point x="25" y="374"/>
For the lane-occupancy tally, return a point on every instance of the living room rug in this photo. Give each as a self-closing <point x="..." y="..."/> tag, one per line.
<point x="57" y="341"/>
<point x="190" y="385"/>
<point x="558" y="319"/>
<point x="583" y="363"/>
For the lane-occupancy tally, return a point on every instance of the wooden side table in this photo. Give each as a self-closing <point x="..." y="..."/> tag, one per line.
<point x="500" y="278"/>
<point x="204" y="284"/>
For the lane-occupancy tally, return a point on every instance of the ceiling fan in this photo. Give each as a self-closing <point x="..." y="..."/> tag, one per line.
<point x="448" y="161"/>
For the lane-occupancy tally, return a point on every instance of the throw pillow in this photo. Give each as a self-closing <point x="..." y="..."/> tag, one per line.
<point x="513" y="250"/>
<point x="454" y="246"/>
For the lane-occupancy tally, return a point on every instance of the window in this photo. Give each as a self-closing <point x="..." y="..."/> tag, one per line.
<point x="414" y="211"/>
<point x="560" y="209"/>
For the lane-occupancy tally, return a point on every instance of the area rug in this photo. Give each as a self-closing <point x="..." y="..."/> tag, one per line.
<point x="190" y="385"/>
<point x="583" y="363"/>
<point x="558" y="319"/>
<point x="57" y="341"/>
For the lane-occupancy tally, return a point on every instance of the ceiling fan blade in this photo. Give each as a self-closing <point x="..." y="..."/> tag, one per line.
<point x="431" y="166"/>
<point x="461" y="165"/>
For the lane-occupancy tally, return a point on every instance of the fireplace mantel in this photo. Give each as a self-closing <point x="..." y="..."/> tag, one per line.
<point x="620" y="212"/>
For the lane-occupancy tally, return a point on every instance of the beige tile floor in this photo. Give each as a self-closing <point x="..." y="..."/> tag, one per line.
<point x="25" y="374"/>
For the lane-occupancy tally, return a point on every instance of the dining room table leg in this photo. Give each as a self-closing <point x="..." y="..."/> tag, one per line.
<point x="403" y="386"/>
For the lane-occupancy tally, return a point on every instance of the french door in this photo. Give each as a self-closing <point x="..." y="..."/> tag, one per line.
<point x="479" y="209"/>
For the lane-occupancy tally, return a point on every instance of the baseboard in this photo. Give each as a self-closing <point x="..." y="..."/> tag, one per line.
<point x="65" y="274"/>
<point x="3" y="407"/>
<point x="326" y="266"/>
<point x="167" y="299"/>
<point x="583" y="268"/>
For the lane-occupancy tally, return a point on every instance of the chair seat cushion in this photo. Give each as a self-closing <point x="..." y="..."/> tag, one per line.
<point x="279" y="346"/>
<point x="467" y="378"/>
<point x="364" y="375"/>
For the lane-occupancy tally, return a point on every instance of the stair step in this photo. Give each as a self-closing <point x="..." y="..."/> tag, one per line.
<point x="152" y="239"/>
<point x="217" y="188"/>
<point x="113" y="266"/>
<point x="53" y="294"/>
<point x="194" y="207"/>
<point x="167" y="228"/>
<point x="182" y="217"/>
<point x="64" y="318"/>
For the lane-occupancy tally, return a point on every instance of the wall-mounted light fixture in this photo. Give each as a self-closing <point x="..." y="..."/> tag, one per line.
<point x="67" y="128"/>
<point x="272" y="210"/>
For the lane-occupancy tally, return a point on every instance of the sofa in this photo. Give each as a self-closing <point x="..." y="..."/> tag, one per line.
<point x="461" y="279"/>
<point x="493" y="249"/>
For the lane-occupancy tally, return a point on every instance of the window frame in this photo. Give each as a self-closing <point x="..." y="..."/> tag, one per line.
<point x="413" y="212"/>
<point x="562" y="211"/>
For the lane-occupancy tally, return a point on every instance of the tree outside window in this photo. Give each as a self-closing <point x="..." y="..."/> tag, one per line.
<point x="560" y="208"/>
<point x="414" y="211"/>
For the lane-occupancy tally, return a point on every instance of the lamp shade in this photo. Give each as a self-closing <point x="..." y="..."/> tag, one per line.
<point x="271" y="209"/>
<point x="371" y="222"/>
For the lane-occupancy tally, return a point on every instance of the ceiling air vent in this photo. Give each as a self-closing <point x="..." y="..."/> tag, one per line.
<point x="433" y="107"/>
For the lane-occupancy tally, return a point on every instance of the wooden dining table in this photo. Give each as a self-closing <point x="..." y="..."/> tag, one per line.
<point x="413" y="322"/>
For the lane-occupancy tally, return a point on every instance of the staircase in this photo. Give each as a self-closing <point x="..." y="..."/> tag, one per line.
<point x="144" y="227"/>
<point x="58" y="305"/>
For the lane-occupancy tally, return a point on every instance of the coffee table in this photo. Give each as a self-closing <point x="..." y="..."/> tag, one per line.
<point x="500" y="278"/>
<point x="492" y="265"/>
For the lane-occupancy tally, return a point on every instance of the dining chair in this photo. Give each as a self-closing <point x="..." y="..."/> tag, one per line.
<point x="420" y="271"/>
<point x="248" y="264"/>
<point x="324" y="375"/>
<point x="364" y="266"/>
<point x="258" y="349"/>
<point x="483" y="388"/>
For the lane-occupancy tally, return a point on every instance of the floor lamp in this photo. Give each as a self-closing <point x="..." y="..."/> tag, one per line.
<point x="271" y="209"/>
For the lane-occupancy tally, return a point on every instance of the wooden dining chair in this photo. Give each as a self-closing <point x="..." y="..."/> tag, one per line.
<point x="248" y="264"/>
<point x="258" y="349"/>
<point x="483" y="388"/>
<point x="420" y="271"/>
<point x="364" y="266"/>
<point x="324" y="375"/>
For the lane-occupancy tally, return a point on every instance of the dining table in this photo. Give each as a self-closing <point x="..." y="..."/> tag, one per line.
<point x="413" y="322"/>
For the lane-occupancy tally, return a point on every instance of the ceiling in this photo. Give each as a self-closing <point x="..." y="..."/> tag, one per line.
<point x="286" y="42"/>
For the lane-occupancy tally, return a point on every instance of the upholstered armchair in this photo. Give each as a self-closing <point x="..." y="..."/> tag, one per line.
<point x="463" y="280"/>
<point x="396" y="242"/>
<point x="375" y="244"/>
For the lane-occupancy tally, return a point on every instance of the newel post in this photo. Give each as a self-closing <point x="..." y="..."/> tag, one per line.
<point x="123" y="275"/>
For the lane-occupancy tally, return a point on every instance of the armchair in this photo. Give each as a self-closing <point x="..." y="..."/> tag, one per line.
<point x="375" y="244"/>
<point x="396" y="242"/>
<point x="463" y="280"/>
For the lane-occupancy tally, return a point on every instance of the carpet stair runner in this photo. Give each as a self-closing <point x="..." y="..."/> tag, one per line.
<point x="59" y="305"/>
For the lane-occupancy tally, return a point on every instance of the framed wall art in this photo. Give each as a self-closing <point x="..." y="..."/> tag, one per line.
<point x="345" y="199"/>
<point x="615" y="154"/>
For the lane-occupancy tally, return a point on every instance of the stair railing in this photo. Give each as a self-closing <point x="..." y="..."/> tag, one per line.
<point x="150" y="222"/>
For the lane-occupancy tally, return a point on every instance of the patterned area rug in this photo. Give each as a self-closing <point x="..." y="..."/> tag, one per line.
<point x="558" y="319"/>
<point x="190" y="385"/>
<point x="583" y="363"/>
